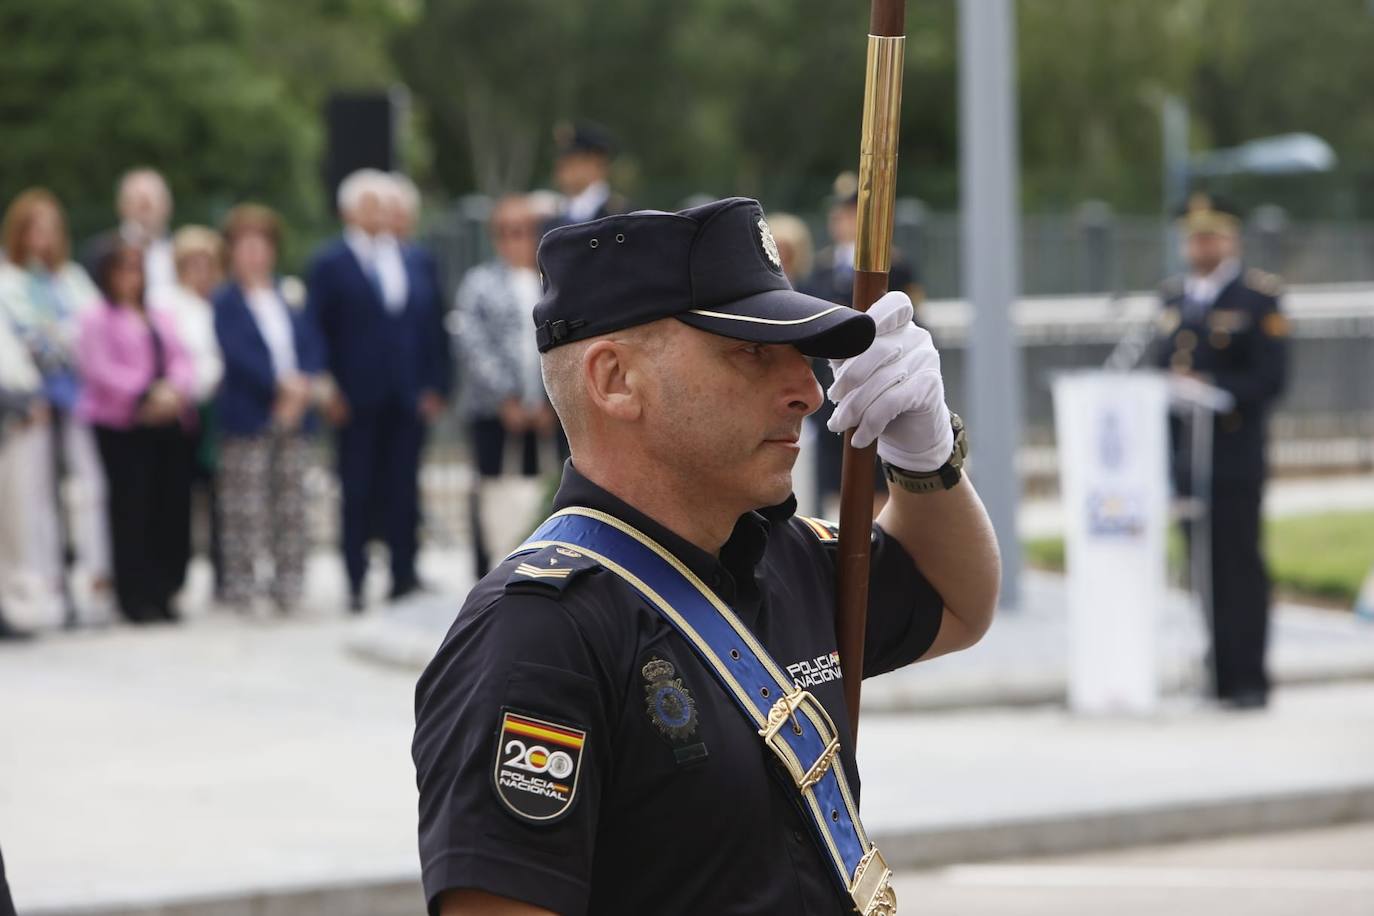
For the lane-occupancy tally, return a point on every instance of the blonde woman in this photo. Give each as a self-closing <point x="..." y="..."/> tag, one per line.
<point x="43" y="293"/>
<point x="198" y="254"/>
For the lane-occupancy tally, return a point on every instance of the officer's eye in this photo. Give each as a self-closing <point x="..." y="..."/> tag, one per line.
<point x="752" y="350"/>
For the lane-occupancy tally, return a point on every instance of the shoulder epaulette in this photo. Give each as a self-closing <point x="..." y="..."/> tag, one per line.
<point x="1262" y="282"/>
<point x="549" y="568"/>
<point x="824" y="531"/>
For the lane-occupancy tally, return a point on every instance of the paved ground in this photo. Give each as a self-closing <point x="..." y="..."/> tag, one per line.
<point x="245" y="760"/>
<point x="1023" y="658"/>
<point x="261" y="766"/>
<point x="1324" y="871"/>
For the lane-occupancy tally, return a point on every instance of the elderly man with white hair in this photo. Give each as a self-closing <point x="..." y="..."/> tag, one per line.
<point x="376" y="309"/>
<point x="144" y="204"/>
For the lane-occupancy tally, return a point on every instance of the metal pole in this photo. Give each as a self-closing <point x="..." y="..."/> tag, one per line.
<point x="1174" y="128"/>
<point x="991" y="264"/>
<point x="872" y="260"/>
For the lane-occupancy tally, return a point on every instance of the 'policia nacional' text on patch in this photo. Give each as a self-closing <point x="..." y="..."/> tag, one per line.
<point x="537" y="766"/>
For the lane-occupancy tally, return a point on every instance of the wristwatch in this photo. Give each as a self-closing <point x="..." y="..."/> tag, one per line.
<point x="942" y="478"/>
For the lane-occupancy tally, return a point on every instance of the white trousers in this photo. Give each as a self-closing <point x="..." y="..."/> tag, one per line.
<point x="30" y="524"/>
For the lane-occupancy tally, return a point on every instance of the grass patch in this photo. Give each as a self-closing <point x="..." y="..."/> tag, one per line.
<point x="1321" y="558"/>
<point x="1325" y="556"/>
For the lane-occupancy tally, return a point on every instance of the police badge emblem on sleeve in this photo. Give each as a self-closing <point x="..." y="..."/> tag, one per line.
<point x="537" y="766"/>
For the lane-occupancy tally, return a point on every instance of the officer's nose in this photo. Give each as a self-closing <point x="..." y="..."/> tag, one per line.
<point x="802" y="391"/>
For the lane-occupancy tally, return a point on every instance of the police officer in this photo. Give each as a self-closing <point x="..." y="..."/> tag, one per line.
<point x="1222" y="324"/>
<point x="576" y="750"/>
<point x="583" y="151"/>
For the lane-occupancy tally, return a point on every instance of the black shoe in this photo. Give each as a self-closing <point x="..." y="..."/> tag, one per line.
<point x="406" y="589"/>
<point x="10" y="633"/>
<point x="355" y="604"/>
<point x="1246" y="700"/>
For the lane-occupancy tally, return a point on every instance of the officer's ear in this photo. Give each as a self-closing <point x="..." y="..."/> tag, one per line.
<point x="611" y="382"/>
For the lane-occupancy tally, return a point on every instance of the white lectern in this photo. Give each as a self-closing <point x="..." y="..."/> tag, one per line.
<point x="1113" y="443"/>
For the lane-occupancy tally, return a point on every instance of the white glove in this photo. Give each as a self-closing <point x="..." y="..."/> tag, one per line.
<point x="893" y="392"/>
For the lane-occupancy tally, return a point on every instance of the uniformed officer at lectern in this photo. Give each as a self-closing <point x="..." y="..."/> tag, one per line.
<point x="641" y="710"/>
<point x="1221" y="323"/>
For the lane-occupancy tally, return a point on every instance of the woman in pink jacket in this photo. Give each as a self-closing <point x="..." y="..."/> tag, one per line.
<point x="137" y="393"/>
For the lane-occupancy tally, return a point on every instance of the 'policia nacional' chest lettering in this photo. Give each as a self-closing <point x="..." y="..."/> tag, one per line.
<point x="812" y="672"/>
<point x="537" y="766"/>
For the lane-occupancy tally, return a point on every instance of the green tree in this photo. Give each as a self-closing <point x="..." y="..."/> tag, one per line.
<point x="722" y="96"/>
<point x="495" y="75"/>
<point x="88" y="90"/>
<point x="1272" y="67"/>
<point x="1091" y="79"/>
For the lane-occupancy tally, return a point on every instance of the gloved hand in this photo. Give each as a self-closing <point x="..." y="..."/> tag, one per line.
<point x="893" y="392"/>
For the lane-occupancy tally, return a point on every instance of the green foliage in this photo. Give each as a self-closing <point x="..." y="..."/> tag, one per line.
<point x="1045" y="553"/>
<point x="1322" y="558"/>
<point x="1326" y="556"/>
<point x="757" y="97"/>
<point x="1091" y="79"/>
<point x="763" y="97"/>
<point x="88" y="90"/>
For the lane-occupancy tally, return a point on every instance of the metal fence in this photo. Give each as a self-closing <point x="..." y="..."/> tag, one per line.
<point x="1323" y="422"/>
<point x="1074" y="315"/>
<point x="1091" y="250"/>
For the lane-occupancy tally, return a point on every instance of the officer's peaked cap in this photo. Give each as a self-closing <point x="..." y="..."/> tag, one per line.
<point x="715" y="267"/>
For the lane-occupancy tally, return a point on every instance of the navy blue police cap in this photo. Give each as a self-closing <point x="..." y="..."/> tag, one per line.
<point x="583" y="137"/>
<point x="714" y="267"/>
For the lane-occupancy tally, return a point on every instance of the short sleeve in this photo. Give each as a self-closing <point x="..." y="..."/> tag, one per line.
<point x="510" y="751"/>
<point x="904" y="610"/>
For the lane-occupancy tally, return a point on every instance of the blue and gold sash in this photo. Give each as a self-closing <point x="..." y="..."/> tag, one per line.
<point x="793" y="724"/>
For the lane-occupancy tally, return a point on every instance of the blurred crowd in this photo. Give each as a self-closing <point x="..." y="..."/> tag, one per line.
<point x="156" y="377"/>
<point x="161" y="388"/>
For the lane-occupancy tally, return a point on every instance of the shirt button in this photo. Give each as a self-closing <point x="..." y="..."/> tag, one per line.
<point x="799" y="836"/>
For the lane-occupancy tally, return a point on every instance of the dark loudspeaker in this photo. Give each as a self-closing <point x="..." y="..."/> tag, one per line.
<point x="362" y="134"/>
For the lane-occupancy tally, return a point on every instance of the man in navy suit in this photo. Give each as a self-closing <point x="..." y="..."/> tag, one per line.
<point x="403" y="220"/>
<point x="376" y="309"/>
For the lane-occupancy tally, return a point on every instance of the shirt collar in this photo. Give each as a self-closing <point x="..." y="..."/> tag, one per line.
<point x="135" y="234"/>
<point x="1206" y="289"/>
<point x="584" y="206"/>
<point x="360" y="242"/>
<point x="738" y="557"/>
<point x="844" y="256"/>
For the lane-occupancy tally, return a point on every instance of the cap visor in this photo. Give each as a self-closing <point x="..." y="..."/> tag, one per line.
<point x="783" y="316"/>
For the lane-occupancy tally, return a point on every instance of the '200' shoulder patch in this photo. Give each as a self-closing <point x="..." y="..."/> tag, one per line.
<point x="537" y="766"/>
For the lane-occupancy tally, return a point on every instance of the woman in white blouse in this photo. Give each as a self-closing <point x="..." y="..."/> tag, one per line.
<point x="273" y="376"/>
<point x="198" y="254"/>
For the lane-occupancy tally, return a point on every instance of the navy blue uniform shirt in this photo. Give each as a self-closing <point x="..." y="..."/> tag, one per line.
<point x="1240" y="344"/>
<point x="677" y="805"/>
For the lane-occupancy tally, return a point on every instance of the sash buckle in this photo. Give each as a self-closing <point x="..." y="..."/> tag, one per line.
<point x="784" y="711"/>
<point x="871" y="888"/>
